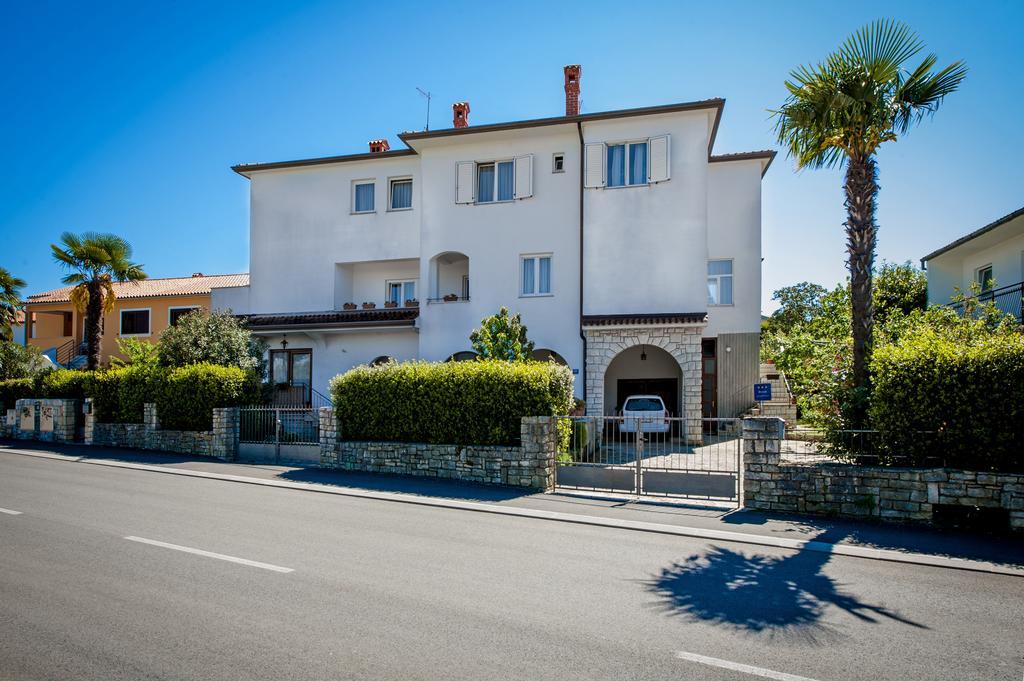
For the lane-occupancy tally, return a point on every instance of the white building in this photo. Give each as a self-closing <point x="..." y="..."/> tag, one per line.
<point x="632" y="252"/>
<point x="990" y="259"/>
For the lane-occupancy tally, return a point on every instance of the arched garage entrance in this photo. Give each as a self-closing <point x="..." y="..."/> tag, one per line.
<point x="643" y="370"/>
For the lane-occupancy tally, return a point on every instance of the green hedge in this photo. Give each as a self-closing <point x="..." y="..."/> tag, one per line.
<point x="63" y="383"/>
<point x="14" y="389"/>
<point x="968" y="391"/>
<point x="480" y="402"/>
<point x="190" y="393"/>
<point x="119" y="395"/>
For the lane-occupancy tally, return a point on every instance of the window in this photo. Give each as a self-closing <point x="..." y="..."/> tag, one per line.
<point x="536" y="275"/>
<point x="985" y="280"/>
<point x="135" y="322"/>
<point x="362" y="197"/>
<point x="627" y="164"/>
<point x="465" y="287"/>
<point x="495" y="181"/>
<point x="176" y="313"/>
<point x="401" y="291"/>
<point x="720" y="282"/>
<point x="558" y="163"/>
<point x="401" y="194"/>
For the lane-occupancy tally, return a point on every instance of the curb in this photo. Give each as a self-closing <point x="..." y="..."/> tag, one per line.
<point x="557" y="516"/>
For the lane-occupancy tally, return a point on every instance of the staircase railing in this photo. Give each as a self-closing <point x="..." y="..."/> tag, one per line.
<point x="65" y="352"/>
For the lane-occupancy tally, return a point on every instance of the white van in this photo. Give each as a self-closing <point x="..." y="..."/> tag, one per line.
<point x="644" y="413"/>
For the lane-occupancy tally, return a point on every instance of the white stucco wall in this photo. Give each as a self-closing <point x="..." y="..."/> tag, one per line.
<point x="367" y="281"/>
<point x="233" y="298"/>
<point x="302" y="224"/>
<point x="645" y="246"/>
<point x="1002" y="248"/>
<point x="494" y="236"/>
<point x="734" y="232"/>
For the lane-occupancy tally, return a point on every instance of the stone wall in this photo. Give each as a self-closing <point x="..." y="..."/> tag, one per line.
<point x="886" y="493"/>
<point x="530" y="465"/>
<point x="680" y="341"/>
<point x="221" y="442"/>
<point x="48" y="420"/>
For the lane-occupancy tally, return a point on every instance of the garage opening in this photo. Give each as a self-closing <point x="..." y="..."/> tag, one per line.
<point x="643" y="370"/>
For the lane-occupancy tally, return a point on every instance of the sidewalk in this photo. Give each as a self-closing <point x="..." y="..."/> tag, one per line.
<point x="999" y="550"/>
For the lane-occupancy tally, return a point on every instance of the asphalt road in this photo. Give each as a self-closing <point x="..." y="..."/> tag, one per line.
<point x="383" y="590"/>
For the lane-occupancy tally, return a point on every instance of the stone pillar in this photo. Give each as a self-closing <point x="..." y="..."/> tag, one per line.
<point x="65" y="418"/>
<point x="150" y="418"/>
<point x="762" y="443"/>
<point x="328" y="438"/>
<point x="89" y="408"/>
<point x="226" y="424"/>
<point x="539" y="445"/>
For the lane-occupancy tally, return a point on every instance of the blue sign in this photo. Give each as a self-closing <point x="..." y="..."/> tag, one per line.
<point x="762" y="392"/>
<point x="575" y="372"/>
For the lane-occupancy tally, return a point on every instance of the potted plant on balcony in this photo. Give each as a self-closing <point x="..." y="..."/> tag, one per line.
<point x="389" y="304"/>
<point x="450" y="298"/>
<point x="369" y="306"/>
<point x="412" y="302"/>
<point x="349" y="306"/>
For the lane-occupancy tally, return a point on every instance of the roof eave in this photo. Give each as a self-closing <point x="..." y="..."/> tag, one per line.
<point x="974" y="235"/>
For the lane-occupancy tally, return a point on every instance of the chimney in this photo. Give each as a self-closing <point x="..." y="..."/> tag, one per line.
<point x="572" y="89"/>
<point x="196" y="274"/>
<point x="460" y="114"/>
<point x="377" y="146"/>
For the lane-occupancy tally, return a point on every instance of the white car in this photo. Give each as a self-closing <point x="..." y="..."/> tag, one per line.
<point x="644" y="413"/>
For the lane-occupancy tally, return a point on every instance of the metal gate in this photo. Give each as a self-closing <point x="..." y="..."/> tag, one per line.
<point x="660" y="457"/>
<point x="279" y="435"/>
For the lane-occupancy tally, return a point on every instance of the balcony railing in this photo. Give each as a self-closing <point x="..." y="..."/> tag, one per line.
<point x="1008" y="299"/>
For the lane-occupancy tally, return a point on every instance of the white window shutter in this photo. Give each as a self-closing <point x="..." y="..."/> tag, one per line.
<point x="524" y="176"/>
<point x="658" y="161"/>
<point x="464" y="181"/>
<point x="594" y="161"/>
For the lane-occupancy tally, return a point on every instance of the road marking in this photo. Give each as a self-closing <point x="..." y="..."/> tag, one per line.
<point x="737" y="667"/>
<point x="210" y="554"/>
<point x="9" y="511"/>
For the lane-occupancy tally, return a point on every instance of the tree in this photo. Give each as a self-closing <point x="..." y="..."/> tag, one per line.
<point x="20" y="361"/>
<point x="798" y="304"/>
<point x="502" y="336"/>
<point x="840" y="112"/>
<point x="217" y="338"/>
<point x="96" y="261"/>
<point x="899" y="287"/>
<point x="10" y="302"/>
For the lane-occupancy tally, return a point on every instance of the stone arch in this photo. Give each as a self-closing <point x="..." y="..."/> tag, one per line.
<point x="682" y="342"/>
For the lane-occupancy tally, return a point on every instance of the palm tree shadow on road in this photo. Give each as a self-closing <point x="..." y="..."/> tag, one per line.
<point x="766" y="595"/>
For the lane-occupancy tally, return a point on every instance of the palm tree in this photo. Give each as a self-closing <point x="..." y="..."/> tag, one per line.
<point x="97" y="261"/>
<point x="10" y="301"/>
<point x="839" y="112"/>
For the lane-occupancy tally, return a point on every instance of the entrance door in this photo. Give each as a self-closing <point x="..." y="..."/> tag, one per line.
<point x="291" y="372"/>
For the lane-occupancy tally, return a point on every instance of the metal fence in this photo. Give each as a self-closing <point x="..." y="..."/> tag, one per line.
<point x="279" y="425"/>
<point x="668" y="457"/>
<point x="1007" y="299"/>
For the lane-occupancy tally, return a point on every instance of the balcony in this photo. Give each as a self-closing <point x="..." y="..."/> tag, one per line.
<point x="1007" y="299"/>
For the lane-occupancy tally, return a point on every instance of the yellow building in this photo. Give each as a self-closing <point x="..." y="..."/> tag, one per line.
<point x="143" y="310"/>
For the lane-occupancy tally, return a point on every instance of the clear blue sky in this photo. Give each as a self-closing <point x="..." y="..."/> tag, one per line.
<point x="125" y="116"/>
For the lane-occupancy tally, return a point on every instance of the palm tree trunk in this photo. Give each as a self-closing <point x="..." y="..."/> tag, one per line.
<point x="861" y="189"/>
<point x="94" y="324"/>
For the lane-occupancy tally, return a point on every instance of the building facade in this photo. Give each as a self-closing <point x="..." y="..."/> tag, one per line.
<point x="142" y="310"/>
<point x="989" y="260"/>
<point x="632" y="252"/>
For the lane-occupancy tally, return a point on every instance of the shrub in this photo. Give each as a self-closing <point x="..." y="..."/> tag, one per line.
<point x="479" y="403"/>
<point x="14" y="389"/>
<point x="120" y="394"/>
<point x="215" y="338"/>
<point x="63" y="383"/>
<point x="502" y="336"/>
<point x="963" y="382"/>
<point x="19" y="361"/>
<point x="189" y="394"/>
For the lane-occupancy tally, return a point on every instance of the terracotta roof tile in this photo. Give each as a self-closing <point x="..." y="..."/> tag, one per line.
<point x="642" y="319"/>
<point x="397" y="316"/>
<point x="154" y="288"/>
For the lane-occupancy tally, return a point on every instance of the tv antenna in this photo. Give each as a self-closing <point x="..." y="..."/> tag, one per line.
<point x="428" y="96"/>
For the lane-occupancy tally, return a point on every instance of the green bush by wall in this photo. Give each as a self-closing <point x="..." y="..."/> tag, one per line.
<point x="14" y="389"/>
<point x="968" y="391"/>
<point x="68" y="384"/>
<point x="189" y="394"/>
<point x="479" y="403"/>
